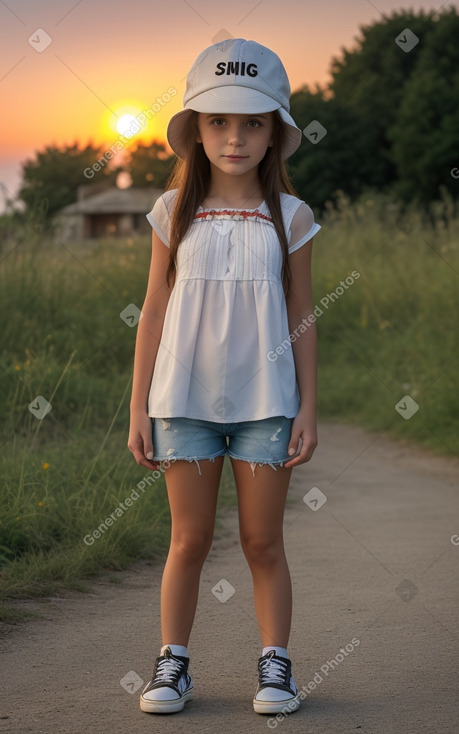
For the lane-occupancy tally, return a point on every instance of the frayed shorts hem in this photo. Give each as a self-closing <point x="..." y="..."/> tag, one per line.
<point x="173" y="458"/>
<point x="197" y="459"/>
<point x="260" y="462"/>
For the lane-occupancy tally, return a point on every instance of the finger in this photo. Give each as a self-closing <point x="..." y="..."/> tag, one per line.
<point x="144" y="448"/>
<point x="304" y="455"/>
<point x="149" y="459"/>
<point x="148" y="444"/>
<point x="142" y="460"/>
<point x="295" y="462"/>
<point x="153" y="465"/>
<point x="294" y="443"/>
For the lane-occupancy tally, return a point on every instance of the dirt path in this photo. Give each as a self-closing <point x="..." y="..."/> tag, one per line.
<point x="374" y="573"/>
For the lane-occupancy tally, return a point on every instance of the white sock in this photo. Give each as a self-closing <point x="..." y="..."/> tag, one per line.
<point x="281" y="651"/>
<point x="176" y="650"/>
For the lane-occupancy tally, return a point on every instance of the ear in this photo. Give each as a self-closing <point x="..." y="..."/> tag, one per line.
<point x="198" y="140"/>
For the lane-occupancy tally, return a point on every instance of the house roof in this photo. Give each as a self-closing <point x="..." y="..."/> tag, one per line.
<point x="116" y="201"/>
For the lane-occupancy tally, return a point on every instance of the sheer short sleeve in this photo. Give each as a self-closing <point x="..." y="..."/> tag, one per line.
<point x="303" y="227"/>
<point x="159" y="219"/>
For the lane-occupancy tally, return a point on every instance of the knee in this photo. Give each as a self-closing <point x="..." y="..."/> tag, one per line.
<point x="193" y="547"/>
<point x="262" y="550"/>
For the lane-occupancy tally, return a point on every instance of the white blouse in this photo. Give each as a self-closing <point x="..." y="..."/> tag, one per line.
<point x="226" y="315"/>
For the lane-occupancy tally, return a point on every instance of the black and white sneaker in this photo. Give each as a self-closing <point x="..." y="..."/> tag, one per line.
<point x="171" y="685"/>
<point x="276" y="690"/>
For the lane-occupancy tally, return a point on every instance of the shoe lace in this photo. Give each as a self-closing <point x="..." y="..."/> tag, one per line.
<point x="273" y="670"/>
<point x="168" y="669"/>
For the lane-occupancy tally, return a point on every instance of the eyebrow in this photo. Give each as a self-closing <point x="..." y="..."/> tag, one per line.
<point x="222" y="114"/>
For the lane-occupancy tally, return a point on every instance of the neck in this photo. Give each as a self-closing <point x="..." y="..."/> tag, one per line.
<point x="234" y="191"/>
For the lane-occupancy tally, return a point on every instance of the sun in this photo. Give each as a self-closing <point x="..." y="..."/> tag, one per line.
<point x="124" y="121"/>
<point x="128" y="125"/>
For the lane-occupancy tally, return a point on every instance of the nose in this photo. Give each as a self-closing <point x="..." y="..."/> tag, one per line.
<point x="236" y="134"/>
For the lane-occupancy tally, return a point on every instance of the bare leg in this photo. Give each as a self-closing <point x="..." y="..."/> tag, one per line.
<point x="261" y="503"/>
<point x="193" y="502"/>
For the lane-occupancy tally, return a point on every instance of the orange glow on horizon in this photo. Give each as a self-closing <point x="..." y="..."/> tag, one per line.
<point x="98" y="66"/>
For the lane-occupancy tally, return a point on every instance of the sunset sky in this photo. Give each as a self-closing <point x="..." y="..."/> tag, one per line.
<point x="69" y="69"/>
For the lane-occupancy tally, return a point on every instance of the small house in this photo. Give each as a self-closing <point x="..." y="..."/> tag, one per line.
<point x="111" y="212"/>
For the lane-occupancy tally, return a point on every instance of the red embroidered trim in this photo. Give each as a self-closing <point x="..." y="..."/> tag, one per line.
<point x="242" y="212"/>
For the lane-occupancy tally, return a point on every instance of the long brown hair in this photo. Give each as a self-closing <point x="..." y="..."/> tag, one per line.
<point x="191" y="176"/>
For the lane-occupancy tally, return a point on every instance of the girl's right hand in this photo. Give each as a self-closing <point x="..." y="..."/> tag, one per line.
<point x="140" y="440"/>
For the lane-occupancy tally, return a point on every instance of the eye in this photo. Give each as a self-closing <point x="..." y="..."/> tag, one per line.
<point x="253" y="123"/>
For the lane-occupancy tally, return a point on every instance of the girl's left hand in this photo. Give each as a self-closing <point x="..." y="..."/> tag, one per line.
<point x="304" y="426"/>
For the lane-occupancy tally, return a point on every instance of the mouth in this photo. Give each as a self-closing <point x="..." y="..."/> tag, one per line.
<point x="236" y="157"/>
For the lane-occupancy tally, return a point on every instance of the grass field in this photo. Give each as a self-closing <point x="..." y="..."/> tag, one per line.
<point x="389" y="332"/>
<point x="393" y="332"/>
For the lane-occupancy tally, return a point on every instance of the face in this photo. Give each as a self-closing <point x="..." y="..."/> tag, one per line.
<point x="235" y="143"/>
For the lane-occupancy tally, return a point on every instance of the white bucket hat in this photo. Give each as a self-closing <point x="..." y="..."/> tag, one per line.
<point x="235" y="76"/>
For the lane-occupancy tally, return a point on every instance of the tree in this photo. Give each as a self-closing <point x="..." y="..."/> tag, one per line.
<point x="370" y="81"/>
<point x="319" y="170"/>
<point x="150" y="165"/>
<point x="51" y="179"/>
<point x="424" y="133"/>
<point x="389" y="117"/>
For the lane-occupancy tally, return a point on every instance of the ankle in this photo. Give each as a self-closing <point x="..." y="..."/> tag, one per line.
<point x="180" y="650"/>
<point x="280" y="651"/>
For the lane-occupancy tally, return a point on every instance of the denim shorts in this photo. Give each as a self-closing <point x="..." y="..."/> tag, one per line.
<point x="257" y="442"/>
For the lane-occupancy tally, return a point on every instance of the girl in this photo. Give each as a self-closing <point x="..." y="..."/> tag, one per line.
<point x="225" y="358"/>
